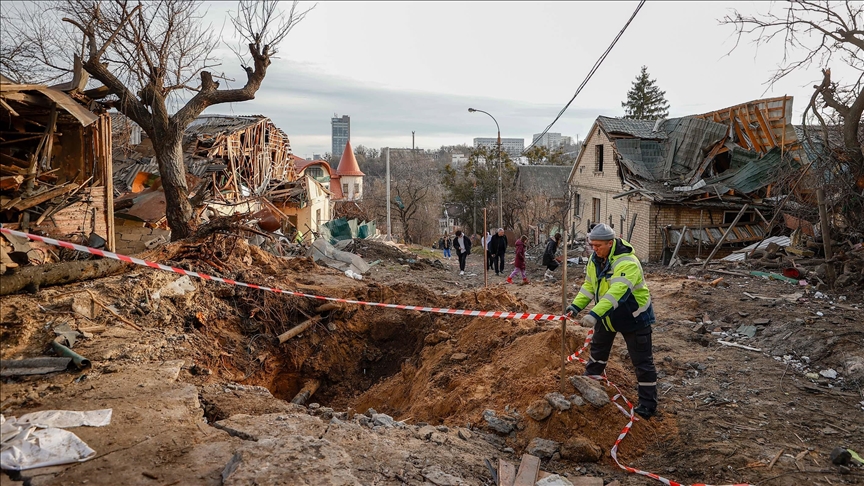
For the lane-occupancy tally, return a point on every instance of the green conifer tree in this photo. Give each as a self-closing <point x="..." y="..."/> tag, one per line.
<point x="645" y="101"/>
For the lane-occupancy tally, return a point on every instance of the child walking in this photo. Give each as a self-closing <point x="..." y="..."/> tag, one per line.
<point x="519" y="263"/>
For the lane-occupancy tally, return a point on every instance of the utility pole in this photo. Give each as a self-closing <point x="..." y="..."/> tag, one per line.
<point x="412" y="142"/>
<point x="500" y="202"/>
<point x="387" y="163"/>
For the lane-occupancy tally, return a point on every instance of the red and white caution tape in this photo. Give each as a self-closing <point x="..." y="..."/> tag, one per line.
<point x="631" y="416"/>
<point x="627" y="411"/>
<point x="145" y="263"/>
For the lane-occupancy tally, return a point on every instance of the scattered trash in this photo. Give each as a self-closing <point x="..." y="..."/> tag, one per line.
<point x="745" y="330"/>
<point x="355" y="276"/>
<point x="63" y="343"/>
<point x="39" y="440"/>
<point x="829" y="373"/>
<point x="178" y="287"/>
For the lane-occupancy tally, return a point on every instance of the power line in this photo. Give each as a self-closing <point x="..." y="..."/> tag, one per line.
<point x="590" y="74"/>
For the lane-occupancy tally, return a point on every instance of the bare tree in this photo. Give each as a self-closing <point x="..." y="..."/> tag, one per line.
<point x="817" y="32"/>
<point x="151" y="56"/>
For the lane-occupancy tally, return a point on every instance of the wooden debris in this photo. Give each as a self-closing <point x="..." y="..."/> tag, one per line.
<point x="736" y="345"/>
<point x="528" y="470"/>
<point x="506" y="473"/>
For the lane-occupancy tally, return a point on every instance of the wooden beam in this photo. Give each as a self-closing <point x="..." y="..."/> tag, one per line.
<point x="761" y="116"/>
<point x="28" y="99"/>
<point x="677" y="247"/>
<point x="738" y="131"/>
<point x="757" y="144"/>
<point x="40" y="198"/>
<point x="722" y="238"/>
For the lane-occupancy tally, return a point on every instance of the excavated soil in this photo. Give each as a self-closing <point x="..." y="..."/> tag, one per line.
<point x="726" y="413"/>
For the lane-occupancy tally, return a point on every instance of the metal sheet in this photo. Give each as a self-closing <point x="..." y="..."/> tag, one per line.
<point x="83" y="115"/>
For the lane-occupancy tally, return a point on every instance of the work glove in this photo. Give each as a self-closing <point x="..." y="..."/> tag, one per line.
<point x="588" y="321"/>
<point x="572" y="310"/>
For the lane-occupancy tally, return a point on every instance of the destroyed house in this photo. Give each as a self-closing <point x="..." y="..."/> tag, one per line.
<point x="236" y="159"/>
<point x="55" y="164"/>
<point x="241" y="155"/>
<point x="658" y="181"/>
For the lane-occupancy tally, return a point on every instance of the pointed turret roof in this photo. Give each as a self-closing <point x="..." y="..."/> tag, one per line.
<point x="348" y="164"/>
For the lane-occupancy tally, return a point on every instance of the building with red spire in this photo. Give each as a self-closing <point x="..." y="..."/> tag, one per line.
<point x="347" y="183"/>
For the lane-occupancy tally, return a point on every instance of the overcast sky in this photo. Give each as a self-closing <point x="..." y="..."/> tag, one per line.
<point x="394" y="67"/>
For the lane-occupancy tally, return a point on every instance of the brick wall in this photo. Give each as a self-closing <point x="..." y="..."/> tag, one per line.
<point x="678" y="217"/>
<point x="590" y="184"/>
<point x="82" y="217"/>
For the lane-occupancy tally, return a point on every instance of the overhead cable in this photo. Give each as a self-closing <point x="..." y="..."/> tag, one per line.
<point x="588" y="77"/>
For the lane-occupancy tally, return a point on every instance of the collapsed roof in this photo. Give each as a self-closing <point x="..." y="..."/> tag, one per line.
<point x="735" y="151"/>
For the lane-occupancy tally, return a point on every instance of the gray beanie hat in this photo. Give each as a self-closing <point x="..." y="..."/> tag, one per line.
<point x="601" y="232"/>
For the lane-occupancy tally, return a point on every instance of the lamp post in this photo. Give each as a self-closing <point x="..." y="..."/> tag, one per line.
<point x="500" y="205"/>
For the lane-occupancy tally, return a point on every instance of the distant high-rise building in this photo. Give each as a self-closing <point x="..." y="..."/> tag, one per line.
<point x="551" y="140"/>
<point x="341" y="134"/>
<point x="513" y="146"/>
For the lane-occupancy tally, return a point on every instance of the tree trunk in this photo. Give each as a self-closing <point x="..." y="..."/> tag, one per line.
<point x="58" y="274"/>
<point x="851" y="125"/>
<point x="172" y="169"/>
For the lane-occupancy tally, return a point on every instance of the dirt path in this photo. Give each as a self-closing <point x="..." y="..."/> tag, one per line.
<point x="189" y="407"/>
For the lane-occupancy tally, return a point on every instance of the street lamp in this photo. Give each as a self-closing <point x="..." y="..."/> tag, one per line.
<point x="500" y="206"/>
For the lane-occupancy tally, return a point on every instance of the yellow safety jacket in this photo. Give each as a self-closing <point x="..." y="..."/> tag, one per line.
<point x="618" y="288"/>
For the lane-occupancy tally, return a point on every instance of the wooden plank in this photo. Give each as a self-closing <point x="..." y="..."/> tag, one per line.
<point x="761" y="116"/>
<point x="40" y="198"/>
<point x="506" y="473"/>
<point x="528" y="470"/>
<point x="738" y="132"/>
<point x="757" y="143"/>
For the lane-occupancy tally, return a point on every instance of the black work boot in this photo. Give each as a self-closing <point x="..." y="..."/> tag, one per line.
<point x="645" y="412"/>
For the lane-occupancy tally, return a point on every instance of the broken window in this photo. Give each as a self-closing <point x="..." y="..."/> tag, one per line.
<point x="595" y="218"/>
<point x="729" y="216"/>
<point x="598" y="158"/>
<point x="344" y="189"/>
<point x="356" y="189"/>
<point x="578" y="203"/>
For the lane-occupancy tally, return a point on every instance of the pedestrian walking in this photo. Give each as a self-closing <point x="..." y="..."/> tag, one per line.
<point x="549" y="259"/>
<point x="615" y="283"/>
<point x="498" y="248"/>
<point x="445" y="245"/>
<point x="462" y="245"/>
<point x="519" y="261"/>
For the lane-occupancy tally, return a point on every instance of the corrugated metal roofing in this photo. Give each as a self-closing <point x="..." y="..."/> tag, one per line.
<point x="216" y="124"/>
<point x="738" y="256"/>
<point x="753" y="173"/>
<point x="678" y="153"/>
<point x="634" y="128"/>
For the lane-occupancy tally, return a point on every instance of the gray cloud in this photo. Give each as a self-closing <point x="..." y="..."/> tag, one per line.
<point x="301" y="102"/>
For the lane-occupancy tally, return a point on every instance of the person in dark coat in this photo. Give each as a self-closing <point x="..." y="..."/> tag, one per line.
<point x="462" y="246"/>
<point x="497" y="248"/>
<point x="549" y="259"/>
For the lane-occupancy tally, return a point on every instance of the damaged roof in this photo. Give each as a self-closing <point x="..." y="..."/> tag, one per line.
<point x="218" y="124"/>
<point x="740" y="149"/>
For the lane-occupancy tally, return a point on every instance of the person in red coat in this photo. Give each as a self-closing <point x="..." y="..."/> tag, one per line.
<point x="519" y="263"/>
